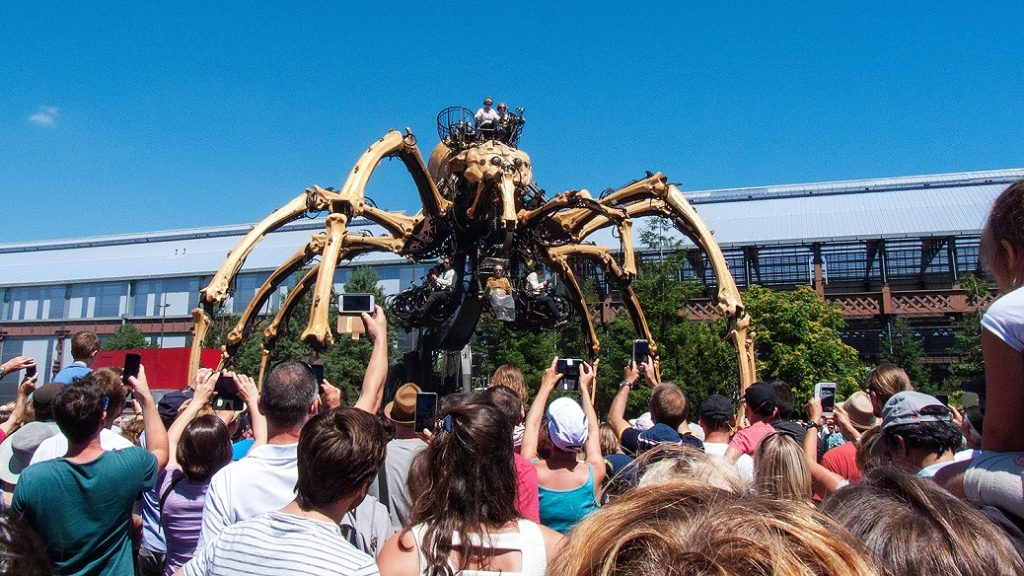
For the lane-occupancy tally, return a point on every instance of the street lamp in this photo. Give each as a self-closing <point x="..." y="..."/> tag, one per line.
<point x="163" y="319"/>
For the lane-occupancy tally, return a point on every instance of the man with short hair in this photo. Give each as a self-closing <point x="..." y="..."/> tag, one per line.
<point x="265" y="479"/>
<point x="718" y="418"/>
<point x="785" y="418"/>
<point x="761" y="407"/>
<point x="487" y="117"/>
<point x="667" y="406"/>
<point x="338" y="456"/>
<point x="537" y="289"/>
<point x="391" y="485"/>
<point x="84" y="346"/>
<point x="109" y="381"/>
<point x="81" y="505"/>
<point x="917" y="433"/>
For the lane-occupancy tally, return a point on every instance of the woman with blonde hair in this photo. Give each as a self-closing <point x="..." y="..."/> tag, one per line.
<point x="686" y="529"/>
<point x="884" y="382"/>
<point x="780" y="470"/>
<point x="509" y="375"/>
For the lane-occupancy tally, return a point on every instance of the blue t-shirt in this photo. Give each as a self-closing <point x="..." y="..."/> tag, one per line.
<point x="72" y="373"/>
<point x="83" y="512"/>
<point x="241" y="448"/>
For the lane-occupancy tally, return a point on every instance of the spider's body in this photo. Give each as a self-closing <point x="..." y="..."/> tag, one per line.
<point x="480" y="207"/>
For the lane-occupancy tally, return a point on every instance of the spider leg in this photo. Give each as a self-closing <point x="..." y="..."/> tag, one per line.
<point x="602" y="256"/>
<point x="249" y="317"/>
<point x="647" y="197"/>
<point x="558" y="261"/>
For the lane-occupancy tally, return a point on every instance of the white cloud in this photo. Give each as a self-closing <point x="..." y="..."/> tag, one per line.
<point x="44" y="116"/>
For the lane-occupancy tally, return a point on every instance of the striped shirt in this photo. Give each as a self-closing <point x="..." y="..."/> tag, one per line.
<point x="279" y="543"/>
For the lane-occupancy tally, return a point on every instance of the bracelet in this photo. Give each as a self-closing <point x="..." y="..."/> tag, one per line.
<point x="625" y="383"/>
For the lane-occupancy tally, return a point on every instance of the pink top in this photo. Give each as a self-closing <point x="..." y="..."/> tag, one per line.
<point x="527" y="498"/>
<point x="747" y="439"/>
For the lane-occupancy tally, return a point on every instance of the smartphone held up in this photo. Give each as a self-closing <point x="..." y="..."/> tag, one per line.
<point x="569" y="368"/>
<point x="826" y="392"/>
<point x="355" y="304"/>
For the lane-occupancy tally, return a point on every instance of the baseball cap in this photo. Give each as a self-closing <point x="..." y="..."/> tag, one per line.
<point x="657" y="434"/>
<point x="567" y="425"/>
<point x="716" y="406"/>
<point x="761" y="395"/>
<point x="171" y="402"/>
<point x="642" y="422"/>
<point x="913" y="407"/>
<point x="44" y="399"/>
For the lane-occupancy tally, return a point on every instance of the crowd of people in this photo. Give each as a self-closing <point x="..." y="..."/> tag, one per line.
<point x="892" y="481"/>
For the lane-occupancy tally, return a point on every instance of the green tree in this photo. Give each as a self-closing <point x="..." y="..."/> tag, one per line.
<point x="967" y="334"/>
<point x="797" y="340"/>
<point x="905" y="349"/>
<point x="127" y="337"/>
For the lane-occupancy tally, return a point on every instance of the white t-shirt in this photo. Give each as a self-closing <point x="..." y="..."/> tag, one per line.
<point x="482" y="116"/>
<point x="446" y="279"/>
<point x="57" y="446"/>
<point x="744" y="464"/>
<point x="264" y="481"/>
<point x="536" y="285"/>
<point x="279" y="543"/>
<point x="1005" y="319"/>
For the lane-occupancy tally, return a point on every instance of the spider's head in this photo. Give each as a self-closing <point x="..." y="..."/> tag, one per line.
<point x="496" y="170"/>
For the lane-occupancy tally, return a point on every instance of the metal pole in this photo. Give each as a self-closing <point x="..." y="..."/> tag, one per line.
<point x="163" y="319"/>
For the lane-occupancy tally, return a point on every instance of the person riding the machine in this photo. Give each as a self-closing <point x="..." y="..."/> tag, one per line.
<point x="537" y="291"/>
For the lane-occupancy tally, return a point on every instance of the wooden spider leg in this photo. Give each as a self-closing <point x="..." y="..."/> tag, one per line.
<point x="217" y="291"/>
<point x="572" y="197"/>
<point x="558" y="261"/>
<point x="270" y="333"/>
<point x="602" y="256"/>
<point x="652" y="186"/>
<point x="248" y="318"/>
<point x="318" y="332"/>
<point x="673" y="205"/>
<point x="351" y="198"/>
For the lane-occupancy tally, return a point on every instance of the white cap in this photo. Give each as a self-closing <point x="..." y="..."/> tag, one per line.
<point x="642" y="422"/>
<point x="567" y="425"/>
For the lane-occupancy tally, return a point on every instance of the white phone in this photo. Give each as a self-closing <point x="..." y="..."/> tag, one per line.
<point x="355" y="304"/>
<point x="826" y="392"/>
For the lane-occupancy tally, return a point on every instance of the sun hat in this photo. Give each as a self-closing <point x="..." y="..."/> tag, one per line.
<point x="858" y="407"/>
<point x="17" y="450"/>
<point x="403" y="408"/>
<point x="567" y="425"/>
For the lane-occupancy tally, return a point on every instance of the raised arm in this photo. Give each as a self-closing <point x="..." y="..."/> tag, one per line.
<point x="372" y="392"/>
<point x="204" y="382"/>
<point x="251" y="396"/>
<point x="592" y="449"/>
<point x="28" y="385"/>
<point x="531" y="432"/>
<point x="822" y="478"/>
<point x="156" y="434"/>
<point x="617" y="411"/>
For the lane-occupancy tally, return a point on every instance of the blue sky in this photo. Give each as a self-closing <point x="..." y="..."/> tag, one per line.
<point x="129" y="117"/>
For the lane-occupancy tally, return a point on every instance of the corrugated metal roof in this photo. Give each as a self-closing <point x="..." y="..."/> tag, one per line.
<point x="938" y="205"/>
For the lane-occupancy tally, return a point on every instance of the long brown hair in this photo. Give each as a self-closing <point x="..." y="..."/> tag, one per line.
<point x="466" y="483"/>
<point x="913" y="526"/>
<point x="687" y="529"/>
<point x="780" y="470"/>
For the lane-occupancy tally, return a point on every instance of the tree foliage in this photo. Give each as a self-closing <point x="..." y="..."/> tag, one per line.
<point x="127" y="337"/>
<point x="902" y="347"/>
<point x="344" y="362"/>
<point x="797" y="340"/>
<point x="967" y="333"/>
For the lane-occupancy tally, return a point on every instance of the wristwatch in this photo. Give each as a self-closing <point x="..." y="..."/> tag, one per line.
<point x="625" y="383"/>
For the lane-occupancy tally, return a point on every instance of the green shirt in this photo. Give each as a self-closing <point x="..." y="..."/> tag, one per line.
<point x="83" y="511"/>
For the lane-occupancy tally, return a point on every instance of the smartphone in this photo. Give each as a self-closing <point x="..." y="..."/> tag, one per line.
<point x="318" y="371"/>
<point x="355" y="304"/>
<point x="131" y="366"/>
<point x="426" y="408"/>
<point x="570" y="370"/>
<point x="226" y="397"/>
<point x="944" y="398"/>
<point x="30" y="371"/>
<point x="826" y="392"/>
<point x="641" y="351"/>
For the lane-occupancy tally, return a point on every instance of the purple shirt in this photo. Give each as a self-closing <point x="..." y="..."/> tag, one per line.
<point x="181" y="517"/>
